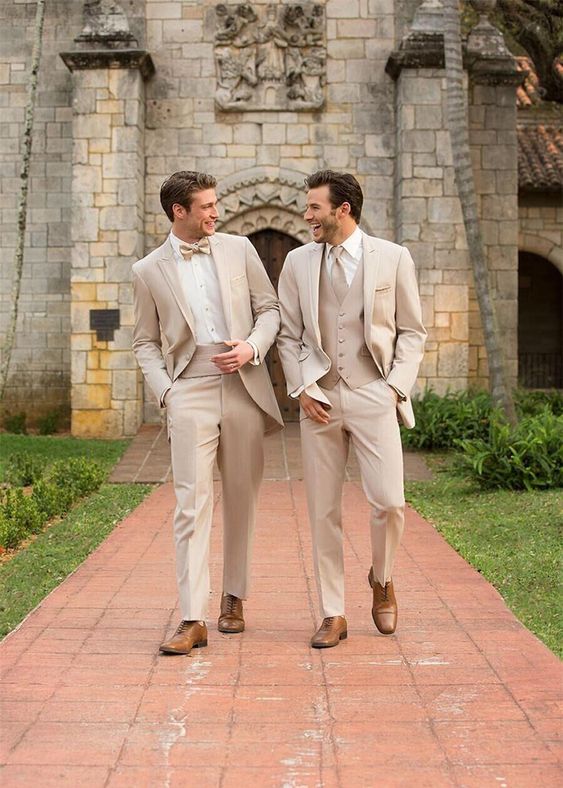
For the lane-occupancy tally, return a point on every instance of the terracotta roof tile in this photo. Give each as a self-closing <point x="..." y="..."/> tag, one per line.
<point x="529" y="92"/>
<point x="540" y="158"/>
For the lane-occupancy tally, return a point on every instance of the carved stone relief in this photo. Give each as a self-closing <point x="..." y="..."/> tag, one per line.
<point x="264" y="197"/>
<point x="274" y="59"/>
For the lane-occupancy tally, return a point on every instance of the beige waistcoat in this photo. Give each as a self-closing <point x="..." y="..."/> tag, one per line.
<point x="343" y="335"/>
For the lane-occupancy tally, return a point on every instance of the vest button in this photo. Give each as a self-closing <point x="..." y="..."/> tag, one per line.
<point x="341" y="340"/>
<point x="340" y="369"/>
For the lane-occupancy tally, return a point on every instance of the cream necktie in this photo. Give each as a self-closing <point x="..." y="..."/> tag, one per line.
<point x="337" y="275"/>
<point x="188" y="250"/>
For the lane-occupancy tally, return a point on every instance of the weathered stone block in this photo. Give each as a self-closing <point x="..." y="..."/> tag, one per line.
<point x="452" y="360"/>
<point x="451" y="298"/>
<point x="93" y="397"/>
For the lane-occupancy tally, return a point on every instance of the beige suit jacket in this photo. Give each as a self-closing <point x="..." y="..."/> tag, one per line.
<point x="393" y="328"/>
<point x="164" y="337"/>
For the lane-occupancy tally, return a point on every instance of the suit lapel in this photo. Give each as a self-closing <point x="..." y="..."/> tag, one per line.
<point x="316" y="256"/>
<point x="223" y="275"/>
<point x="371" y="270"/>
<point x="167" y="265"/>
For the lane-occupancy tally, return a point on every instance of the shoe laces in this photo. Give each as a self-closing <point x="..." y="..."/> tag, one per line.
<point x="231" y="603"/>
<point x="183" y="626"/>
<point x="327" y="622"/>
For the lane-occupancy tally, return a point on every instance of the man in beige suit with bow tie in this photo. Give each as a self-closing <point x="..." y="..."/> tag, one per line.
<point x="206" y="314"/>
<point x="351" y="342"/>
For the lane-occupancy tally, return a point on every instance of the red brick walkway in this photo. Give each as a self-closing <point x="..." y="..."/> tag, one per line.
<point x="463" y="695"/>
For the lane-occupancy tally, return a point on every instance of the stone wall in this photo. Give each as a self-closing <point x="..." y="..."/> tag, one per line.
<point x="40" y="365"/>
<point x="540" y="223"/>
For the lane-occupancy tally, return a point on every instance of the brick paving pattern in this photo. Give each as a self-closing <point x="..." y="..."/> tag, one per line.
<point x="462" y="695"/>
<point x="147" y="460"/>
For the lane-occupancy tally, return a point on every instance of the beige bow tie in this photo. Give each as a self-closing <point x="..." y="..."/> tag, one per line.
<point x="188" y="250"/>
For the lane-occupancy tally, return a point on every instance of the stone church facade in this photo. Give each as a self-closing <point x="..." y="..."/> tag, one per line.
<point x="260" y="94"/>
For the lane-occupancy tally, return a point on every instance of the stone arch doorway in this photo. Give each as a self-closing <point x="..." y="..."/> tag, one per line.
<point x="540" y="322"/>
<point x="273" y="246"/>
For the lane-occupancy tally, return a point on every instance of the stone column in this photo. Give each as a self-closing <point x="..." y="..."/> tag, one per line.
<point x="493" y="78"/>
<point x="107" y="230"/>
<point x="428" y="213"/>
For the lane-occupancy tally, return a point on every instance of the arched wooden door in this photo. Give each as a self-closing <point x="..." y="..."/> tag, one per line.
<point x="273" y="246"/>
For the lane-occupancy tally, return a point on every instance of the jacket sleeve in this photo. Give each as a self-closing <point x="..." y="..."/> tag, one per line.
<point x="411" y="334"/>
<point x="264" y="303"/>
<point x="147" y="342"/>
<point x="290" y="338"/>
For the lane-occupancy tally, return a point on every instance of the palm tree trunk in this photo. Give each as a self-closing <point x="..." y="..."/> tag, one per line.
<point x="9" y="340"/>
<point x="459" y="136"/>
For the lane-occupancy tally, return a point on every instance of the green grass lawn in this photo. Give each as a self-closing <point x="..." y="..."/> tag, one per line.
<point x="107" y="453"/>
<point x="513" y="538"/>
<point x="29" y="575"/>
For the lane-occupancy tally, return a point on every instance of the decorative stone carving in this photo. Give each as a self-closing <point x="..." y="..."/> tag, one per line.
<point x="105" y="22"/>
<point x="264" y="197"/>
<point x="272" y="60"/>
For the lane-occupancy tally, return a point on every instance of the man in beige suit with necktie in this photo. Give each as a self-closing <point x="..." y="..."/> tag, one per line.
<point x="351" y="342"/>
<point x="206" y="314"/>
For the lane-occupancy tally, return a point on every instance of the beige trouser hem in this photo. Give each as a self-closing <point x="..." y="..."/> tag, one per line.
<point x="366" y="416"/>
<point x="212" y="417"/>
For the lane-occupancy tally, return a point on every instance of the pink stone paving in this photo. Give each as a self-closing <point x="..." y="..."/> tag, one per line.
<point x="462" y="695"/>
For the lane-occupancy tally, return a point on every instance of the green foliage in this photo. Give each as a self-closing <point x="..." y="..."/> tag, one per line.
<point x="49" y="423"/>
<point x="23" y="469"/>
<point x="19" y="517"/>
<point x="77" y="475"/>
<point x="50" y="499"/>
<point x="63" y="482"/>
<point x="531" y="403"/>
<point x="50" y="448"/>
<point x="441" y="421"/>
<point x="16" y="423"/>
<point x="527" y="456"/>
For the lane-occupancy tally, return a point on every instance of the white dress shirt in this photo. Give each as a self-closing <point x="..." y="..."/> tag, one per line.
<point x="200" y="287"/>
<point x="351" y="256"/>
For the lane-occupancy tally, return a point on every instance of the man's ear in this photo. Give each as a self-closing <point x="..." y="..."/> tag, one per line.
<point x="179" y="211"/>
<point x="345" y="208"/>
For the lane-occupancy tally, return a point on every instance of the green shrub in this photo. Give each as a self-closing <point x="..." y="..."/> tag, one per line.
<point x="23" y="469"/>
<point x="20" y="516"/>
<point x="62" y="483"/>
<point x="16" y="423"/>
<point x="77" y="475"/>
<point x="49" y="423"/>
<point x="531" y="403"/>
<point x="50" y="499"/>
<point x="527" y="456"/>
<point x="441" y="421"/>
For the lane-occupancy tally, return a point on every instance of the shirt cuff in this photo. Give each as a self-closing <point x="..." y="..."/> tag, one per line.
<point x="297" y="393"/>
<point x="163" y="397"/>
<point x="256" y="360"/>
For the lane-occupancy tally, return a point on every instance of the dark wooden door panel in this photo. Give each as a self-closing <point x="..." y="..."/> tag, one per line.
<point x="273" y="246"/>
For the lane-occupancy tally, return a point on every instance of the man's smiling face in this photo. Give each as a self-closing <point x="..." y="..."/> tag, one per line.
<point x="199" y="221"/>
<point x="321" y="217"/>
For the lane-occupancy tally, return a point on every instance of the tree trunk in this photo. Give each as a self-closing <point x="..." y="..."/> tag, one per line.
<point x="9" y="340"/>
<point x="459" y="136"/>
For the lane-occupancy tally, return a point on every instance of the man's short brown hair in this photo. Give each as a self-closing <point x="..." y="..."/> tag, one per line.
<point x="180" y="188"/>
<point x="342" y="187"/>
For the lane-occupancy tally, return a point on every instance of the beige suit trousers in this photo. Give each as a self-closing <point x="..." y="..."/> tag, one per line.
<point x="211" y="417"/>
<point x="367" y="416"/>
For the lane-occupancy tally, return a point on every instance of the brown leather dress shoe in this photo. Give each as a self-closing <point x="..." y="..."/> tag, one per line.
<point x="190" y="634"/>
<point x="384" y="608"/>
<point x="330" y="632"/>
<point x="231" y="620"/>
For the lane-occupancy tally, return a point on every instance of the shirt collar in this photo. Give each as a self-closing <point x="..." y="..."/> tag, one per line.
<point x="176" y="242"/>
<point x="352" y="244"/>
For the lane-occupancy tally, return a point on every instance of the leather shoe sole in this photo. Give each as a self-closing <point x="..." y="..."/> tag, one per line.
<point x="171" y="650"/>
<point x="342" y="636"/>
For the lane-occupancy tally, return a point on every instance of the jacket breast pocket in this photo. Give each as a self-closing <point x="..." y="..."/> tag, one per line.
<point x="238" y="280"/>
<point x="304" y="353"/>
<point x="382" y="290"/>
